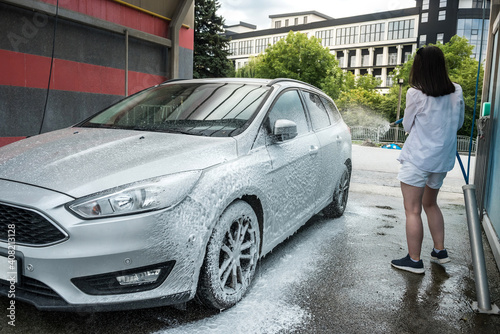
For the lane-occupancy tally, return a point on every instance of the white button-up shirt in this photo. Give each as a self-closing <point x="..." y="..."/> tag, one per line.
<point x="432" y="124"/>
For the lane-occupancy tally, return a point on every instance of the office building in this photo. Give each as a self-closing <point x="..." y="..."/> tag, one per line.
<point x="371" y="43"/>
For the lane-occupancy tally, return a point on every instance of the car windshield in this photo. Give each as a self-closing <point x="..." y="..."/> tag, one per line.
<point x="205" y="109"/>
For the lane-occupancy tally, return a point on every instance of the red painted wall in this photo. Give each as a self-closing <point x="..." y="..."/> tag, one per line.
<point x="29" y="70"/>
<point x="186" y="38"/>
<point x="26" y="70"/>
<point x="114" y="12"/>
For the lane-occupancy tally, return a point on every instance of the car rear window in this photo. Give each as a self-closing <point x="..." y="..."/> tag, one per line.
<point x="317" y="111"/>
<point x="332" y="110"/>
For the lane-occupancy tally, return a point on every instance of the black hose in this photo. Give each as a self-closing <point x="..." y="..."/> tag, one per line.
<point x="50" y="72"/>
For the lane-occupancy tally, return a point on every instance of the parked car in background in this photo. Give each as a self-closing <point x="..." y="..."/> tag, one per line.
<point x="173" y="192"/>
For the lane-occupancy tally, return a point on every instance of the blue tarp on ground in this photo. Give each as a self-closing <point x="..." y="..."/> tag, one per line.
<point x="392" y="146"/>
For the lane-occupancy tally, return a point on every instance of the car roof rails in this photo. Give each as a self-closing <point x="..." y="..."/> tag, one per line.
<point x="172" y="80"/>
<point x="277" y="80"/>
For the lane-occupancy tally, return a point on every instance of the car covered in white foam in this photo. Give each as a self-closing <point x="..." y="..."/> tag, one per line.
<point x="171" y="193"/>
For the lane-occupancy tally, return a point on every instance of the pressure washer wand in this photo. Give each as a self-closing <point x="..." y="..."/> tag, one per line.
<point x="399" y="121"/>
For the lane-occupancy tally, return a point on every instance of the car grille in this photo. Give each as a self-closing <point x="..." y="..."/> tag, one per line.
<point x="35" y="292"/>
<point x="33" y="286"/>
<point x="31" y="228"/>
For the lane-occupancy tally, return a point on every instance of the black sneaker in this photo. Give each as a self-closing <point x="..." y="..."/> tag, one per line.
<point x="407" y="264"/>
<point x="440" y="257"/>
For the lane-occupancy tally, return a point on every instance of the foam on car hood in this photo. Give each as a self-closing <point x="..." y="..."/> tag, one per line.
<point x="82" y="161"/>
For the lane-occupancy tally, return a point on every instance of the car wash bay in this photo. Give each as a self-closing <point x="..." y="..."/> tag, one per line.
<point x="331" y="276"/>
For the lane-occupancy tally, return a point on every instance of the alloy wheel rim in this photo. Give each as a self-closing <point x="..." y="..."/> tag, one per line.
<point x="238" y="255"/>
<point x="343" y="189"/>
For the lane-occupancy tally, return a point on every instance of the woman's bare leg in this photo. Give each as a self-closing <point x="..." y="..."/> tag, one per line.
<point x="412" y="198"/>
<point x="434" y="216"/>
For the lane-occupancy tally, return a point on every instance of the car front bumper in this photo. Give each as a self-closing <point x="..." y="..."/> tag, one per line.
<point x="56" y="276"/>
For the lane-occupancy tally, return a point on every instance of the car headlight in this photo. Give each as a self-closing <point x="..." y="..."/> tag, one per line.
<point x="152" y="194"/>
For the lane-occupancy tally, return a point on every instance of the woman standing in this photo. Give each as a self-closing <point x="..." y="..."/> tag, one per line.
<point x="433" y="115"/>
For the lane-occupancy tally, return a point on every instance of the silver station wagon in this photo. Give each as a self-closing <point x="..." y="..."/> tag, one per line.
<point x="171" y="193"/>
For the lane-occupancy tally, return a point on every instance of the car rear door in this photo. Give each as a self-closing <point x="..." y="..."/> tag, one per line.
<point x="330" y="140"/>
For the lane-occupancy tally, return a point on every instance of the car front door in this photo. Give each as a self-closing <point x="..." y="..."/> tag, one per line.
<point x="295" y="167"/>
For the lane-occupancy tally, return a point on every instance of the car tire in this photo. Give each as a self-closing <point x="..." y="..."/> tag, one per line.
<point x="337" y="207"/>
<point x="231" y="257"/>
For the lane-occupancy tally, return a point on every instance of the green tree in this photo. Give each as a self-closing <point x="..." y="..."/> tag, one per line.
<point x="302" y="58"/>
<point x="462" y="69"/>
<point x="248" y="71"/>
<point x="210" y="46"/>
<point x="297" y="57"/>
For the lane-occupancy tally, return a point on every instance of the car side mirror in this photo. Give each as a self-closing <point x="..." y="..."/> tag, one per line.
<point x="284" y="129"/>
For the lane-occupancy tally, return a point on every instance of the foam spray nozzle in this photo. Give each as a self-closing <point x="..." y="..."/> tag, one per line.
<point x="399" y="121"/>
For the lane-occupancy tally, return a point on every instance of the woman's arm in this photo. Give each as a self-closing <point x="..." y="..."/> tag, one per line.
<point x="410" y="110"/>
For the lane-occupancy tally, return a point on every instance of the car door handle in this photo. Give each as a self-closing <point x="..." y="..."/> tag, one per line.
<point x="313" y="149"/>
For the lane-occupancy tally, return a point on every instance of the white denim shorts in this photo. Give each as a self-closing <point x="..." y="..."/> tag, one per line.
<point x="412" y="175"/>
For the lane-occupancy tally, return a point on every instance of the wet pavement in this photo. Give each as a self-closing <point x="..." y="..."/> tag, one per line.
<point x="332" y="276"/>
<point x="355" y="290"/>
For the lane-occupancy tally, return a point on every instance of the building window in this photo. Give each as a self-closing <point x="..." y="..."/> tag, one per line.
<point x="471" y="29"/>
<point x="424" y="18"/>
<point x="245" y="47"/>
<point x="296" y="20"/>
<point x="277" y="38"/>
<point x="352" y="62"/>
<point x="443" y="3"/>
<point x="233" y="48"/>
<point x="347" y="36"/>
<point x="261" y="44"/>
<point x="341" y="61"/>
<point x="379" y="59"/>
<point x="440" y="38"/>
<point x="326" y="37"/>
<point x="393" y="58"/>
<point x="286" y="23"/>
<point x="277" y="24"/>
<point x="425" y="4"/>
<point x="390" y="81"/>
<point x="479" y="3"/>
<point x="407" y="56"/>
<point x="442" y="15"/>
<point x="422" y="40"/>
<point x="401" y="29"/>
<point x="365" y="60"/>
<point x="305" y="19"/>
<point x="372" y="33"/>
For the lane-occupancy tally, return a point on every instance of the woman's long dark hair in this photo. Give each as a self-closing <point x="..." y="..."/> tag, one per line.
<point x="429" y="73"/>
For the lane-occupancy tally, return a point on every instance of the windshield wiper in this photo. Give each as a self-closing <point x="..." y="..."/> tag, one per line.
<point x="186" y="132"/>
<point x="96" y="125"/>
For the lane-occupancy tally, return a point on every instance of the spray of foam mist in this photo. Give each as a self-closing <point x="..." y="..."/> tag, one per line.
<point x="365" y="117"/>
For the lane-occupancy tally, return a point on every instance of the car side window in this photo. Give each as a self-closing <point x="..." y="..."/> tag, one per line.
<point x="289" y="106"/>
<point x="317" y="111"/>
<point x="332" y="110"/>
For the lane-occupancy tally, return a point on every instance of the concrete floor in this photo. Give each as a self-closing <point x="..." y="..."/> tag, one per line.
<point x="332" y="276"/>
<point x="361" y="293"/>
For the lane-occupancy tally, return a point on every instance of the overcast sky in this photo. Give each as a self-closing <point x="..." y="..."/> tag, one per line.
<point x="257" y="12"/>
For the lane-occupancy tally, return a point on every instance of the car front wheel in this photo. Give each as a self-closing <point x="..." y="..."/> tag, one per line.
<point x="340" y="195"/>
<point x="231" y="257"/>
